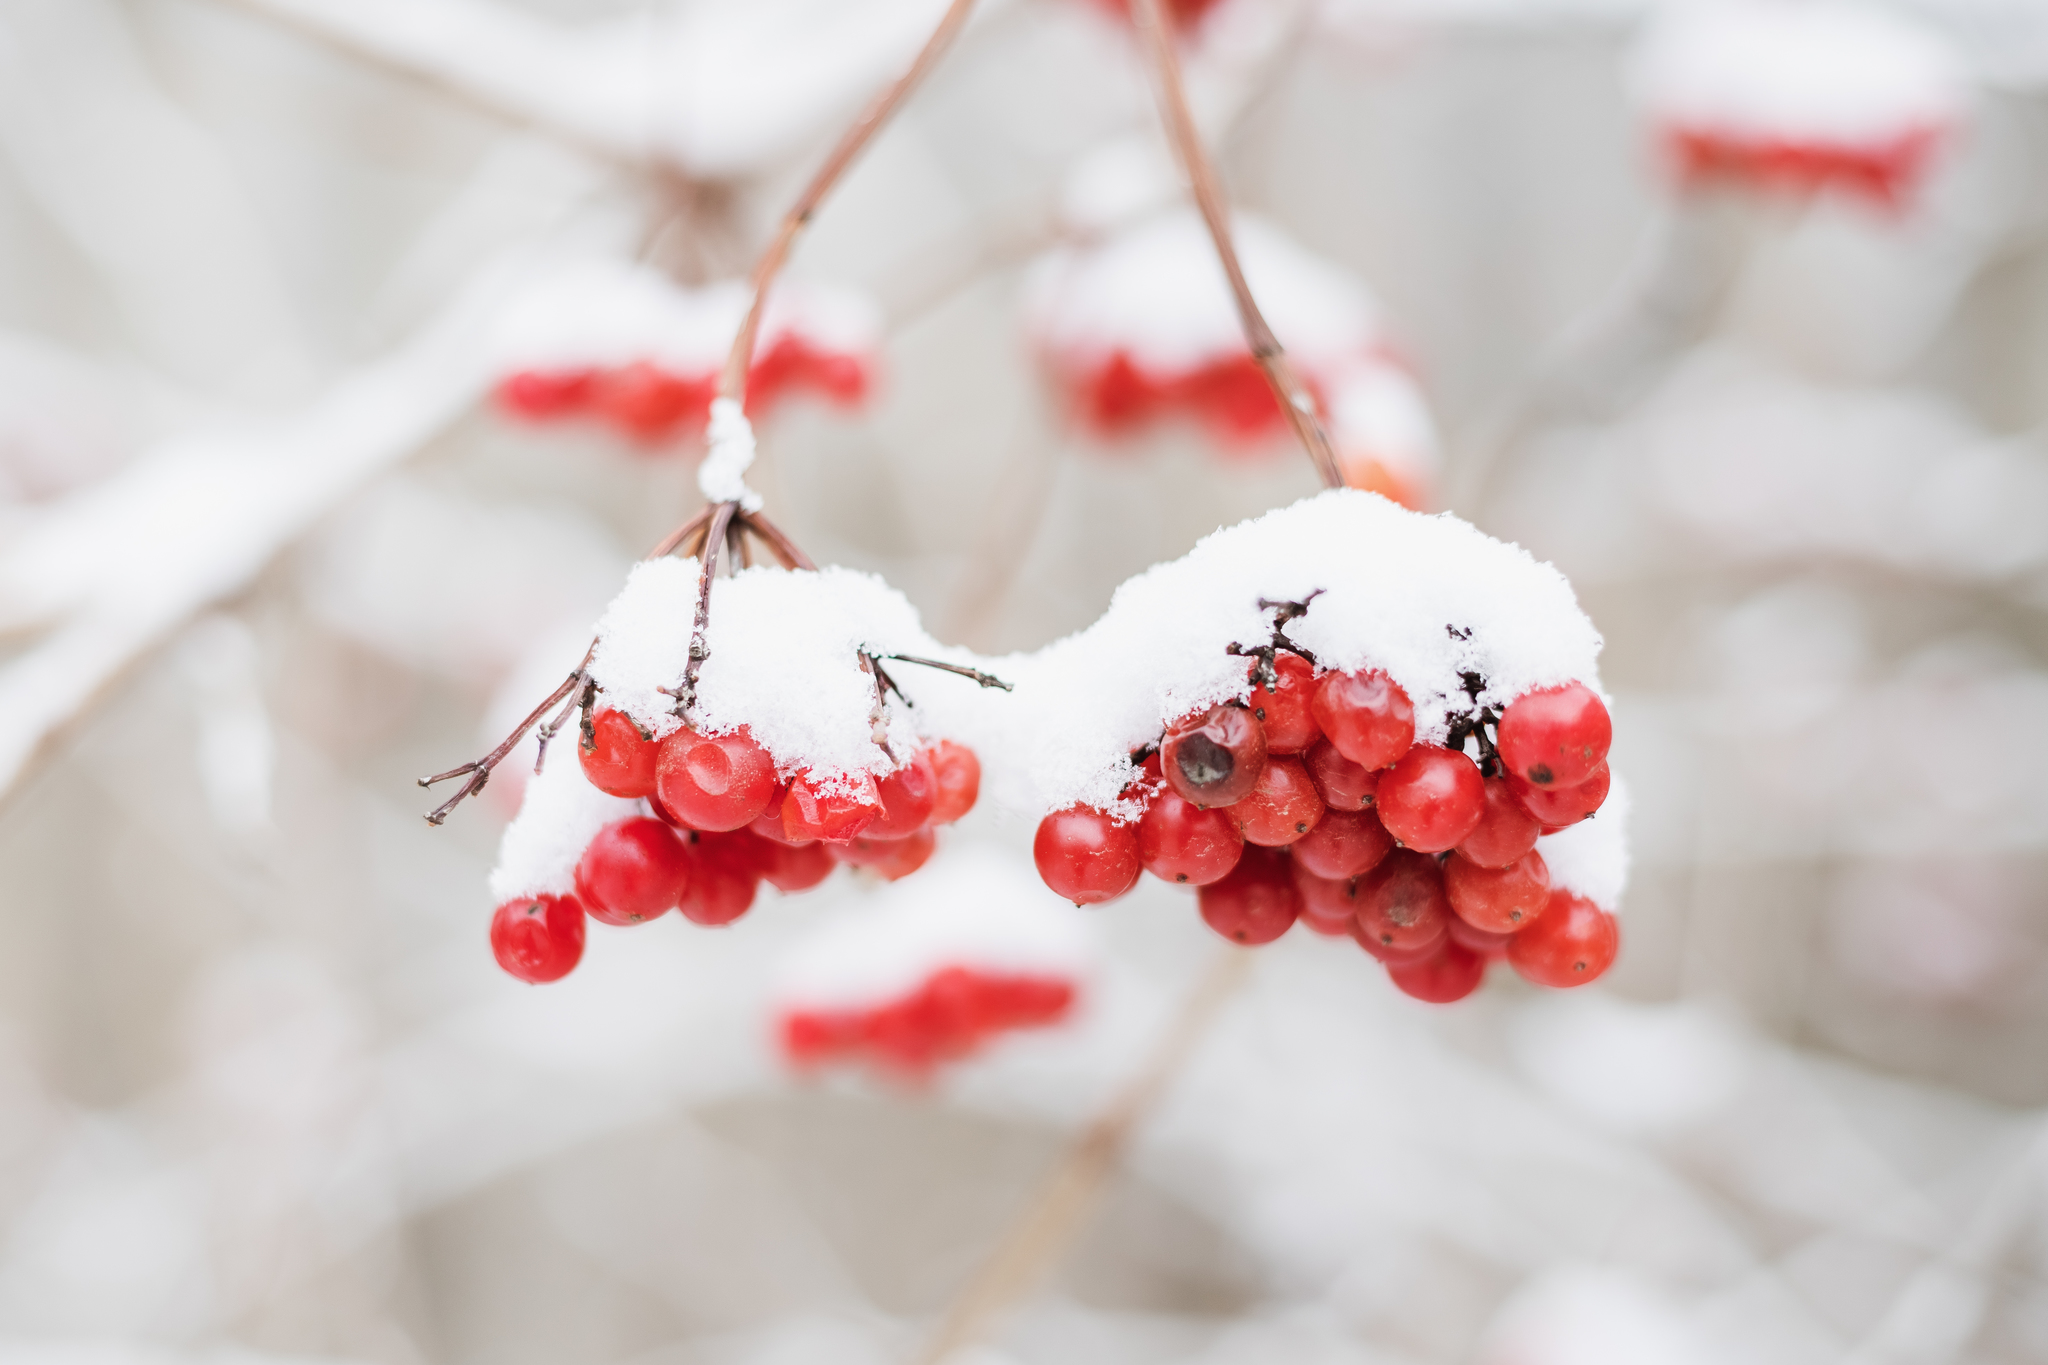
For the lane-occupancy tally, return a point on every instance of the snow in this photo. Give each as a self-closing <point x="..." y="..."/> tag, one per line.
<point x="729" y="438"/>
<point x="1591" y="858"/>
<point x="1377" y="412"/>
<point x="538" y="853"/>
<point x="970" y="907"/>
<point x="1812" y="73"/>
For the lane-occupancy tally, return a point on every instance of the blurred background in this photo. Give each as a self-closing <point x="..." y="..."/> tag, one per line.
<point x="270" y="549"/>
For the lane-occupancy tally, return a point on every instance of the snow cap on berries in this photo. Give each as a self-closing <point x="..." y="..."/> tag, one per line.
<point x="560" y="813"/>
<point x="1591" y="858"/>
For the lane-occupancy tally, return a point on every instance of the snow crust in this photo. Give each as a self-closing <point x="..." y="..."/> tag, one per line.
<point x="538" y="852"/>
<point x="729" y="441"/>
<point x="1816" y="72"/>
<point x="1591" y="858"/>
<point x="970" y="907"/>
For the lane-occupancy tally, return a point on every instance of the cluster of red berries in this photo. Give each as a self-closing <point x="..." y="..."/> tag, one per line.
<point x="1182" y="14"/>
<point x="1882" y="173"/>
<point x="1314" y="802"/>
<point x="950" y="1015"/>
<point x="722" y="825"/>
<point x="1229" y="397"/>
<point x="650" y="404"/>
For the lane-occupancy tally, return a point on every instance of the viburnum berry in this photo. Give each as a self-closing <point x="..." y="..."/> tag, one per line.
<point x="1448" y="975"/>
<point x="1366" y="716"/>
<point x="1214" y="758"/>
<point x="647" y="402"/>
<point x="1504" y="833"/>
<point x="1328" y="906"/>
<point x="1498" y="899"/>
<point x="1487" y="945"/>
<point x="1572" y="942"/>
<point x="1402" y="908"/>
<point x="714" y="782"/>
<point x="632" y="870"/>
<point x="1344" y="785"/>
<point x="1344" y="844"/>
<point x="724" y="874"/>
<point x="909" y="796"/>
<point x="1555" y="737"/>
<point x="538" y="938"/>
<point x="889" y="859"/>
<point x="1180" y="842"/>
<point x="542" y="396"/>
<point x="1256" y="903"/>
<point x="768" y="824"/>
<point x="1085" y="855"/>
<point x="833" y="812"/>
<point x="1559" y="807"/>
<point x="1284" y="711"/>
<point x="1281" y="807"/>
<point x="619" y="757"/>
<point x="1431" y="799"/>
<point x="791" y="867"/>
<point x="959" y="774"/>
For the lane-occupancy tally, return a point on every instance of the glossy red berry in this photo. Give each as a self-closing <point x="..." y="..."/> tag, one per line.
<point x="648" y="402"/>
<point x="1431" y="799"/>
<point x="724" y="874"/>
<point x="1282" y="807"/>
<point x="1180" y="842"/>
<point x="959" y="774"/>
<point x="1085" y="855"/>
<point x="791" y="867"/>
<point x="1555" y="737"/>
<point x="1501" y="900"/>
<point x="889" y="859"/>
<point x="834" y="812"/>
<point x="1283" y="711"/>
<point x="1572" y="942"/>
<point x="1344" y="844"/>
<point x="714" y="782"/>
<point x="1214" y="758"/>
<point x="544" y="395"/>
<point x="1449" y="974"/>
<point x="1366" y="715"/>
<point x="1328" y="906"/>
<point x="1489" y="946"/>
<point x="1401" y="904"/>
<point x="1504" y="833"/>
<point x="909" y="795"/>
<point x="619" y="758"/>
<point x="538" y="938"/>
<point x="632" y="871"/>
<point x="769" y="825"/>
<point x="1344" y="785"/>
<point x="1558" y="807"/>
<point x="1257" y="902"/>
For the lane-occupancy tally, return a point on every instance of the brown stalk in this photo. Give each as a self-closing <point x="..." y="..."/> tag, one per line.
<point x="714" y="537"/>
<point x="1049" y="1223"/>
<point x="1298" y="405"/>
<point x="479" y="772"/>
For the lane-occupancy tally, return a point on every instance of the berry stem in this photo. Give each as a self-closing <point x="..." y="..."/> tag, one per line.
<point x="985" y="679"/>
<point x="779" y="544"/>
<point x="714" y="536"/>
<point x="1296" y="402"/>
<point x="483" y="767"/>
<point x="1049" y="1222"/>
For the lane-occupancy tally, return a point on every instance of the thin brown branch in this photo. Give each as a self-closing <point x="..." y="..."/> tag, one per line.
<point x="733" y="383"/>
<point x="1049" y="1223"/>
<point x="668" y="543"/>
<point x="714" y="537"/>
<point x="1296" y="402"/>
<point x="985" y="679"/>
<point x="783" y="547"/>
<point x="480" y="771"/>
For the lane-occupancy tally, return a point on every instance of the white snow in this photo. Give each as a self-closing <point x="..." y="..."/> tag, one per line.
<point x="729" y="451"/>
<point x="538" y="854"/>
<point x="1591" y="858"/>
<point x="1806" y="72"/>
<point x="970" y="907"/>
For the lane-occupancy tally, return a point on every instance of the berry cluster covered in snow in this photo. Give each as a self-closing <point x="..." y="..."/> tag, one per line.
<point x="1822" y="94"/>
<point x="1141" y="326"/>
<point x="624" y="345"/>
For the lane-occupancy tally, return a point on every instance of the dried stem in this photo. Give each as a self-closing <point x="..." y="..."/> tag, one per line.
<point x="479" y="772"/>
<point x="781" y="545"/>
<point x="1036" y="1240"/>
<point x="714" y="536"/>
<point x="1295" y="401"/>
<point x="733" y="382"/>
<point x="546" y="734"/>
<point x="985" y="679"/>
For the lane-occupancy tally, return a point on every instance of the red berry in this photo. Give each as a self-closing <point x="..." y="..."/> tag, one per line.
<point x="648" y="402"/>
<point x="1257" y="902"/>
<point x="1344" y="844"/>
<point x="1282" y="807"/>
<point x="1214" y="758"/>
<point x="1402" y="908"/>
<point x="1571" y="943"/>
<point x="768" y="824"/>
<point x="724" y="874"/>
<point x="1557" y="807"/>
<point x="909" y="795"/>
<point x="1488" y="946"/>
<point x="833" y="813"/>
<point x="959" y="773"/>
<point x="1431" y="799"/>
<point x="791" y="867"/>
<point x="619" y="758"/>
<point x="538" y="938"/>
<point x="1501" y="900"/>
<point x="543" y="395"/>
<point x="1556" y="737"/>
<point x="1283" y="711"/>
<point x="714" y="782"/>
<point x="1344" y="785"/>
<point x="1180" y="842"/>
<point x="1504" y="833"/>
<point x="1450" y="974"/>
<point x="889" y="859"/>
<point x="1366" y="715"/>
<point x="1085" y="855"/>
<point x="633" y="870"/>
<point x="1328" y="906"/>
